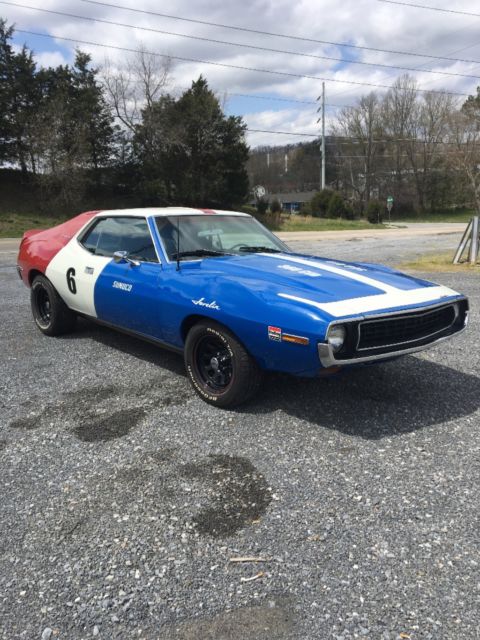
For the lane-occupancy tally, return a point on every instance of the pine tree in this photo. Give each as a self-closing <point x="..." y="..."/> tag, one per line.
<point x="19" y="99"/>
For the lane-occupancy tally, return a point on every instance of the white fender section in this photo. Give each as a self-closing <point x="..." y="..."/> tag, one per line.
<point x="74" y="273"/>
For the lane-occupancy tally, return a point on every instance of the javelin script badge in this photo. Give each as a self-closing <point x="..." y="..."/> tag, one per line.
<point x="210" y="305"/>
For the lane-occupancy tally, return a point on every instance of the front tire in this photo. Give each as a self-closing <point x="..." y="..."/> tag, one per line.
<point x="50" y="313"/>
<point x="220" y="369"/>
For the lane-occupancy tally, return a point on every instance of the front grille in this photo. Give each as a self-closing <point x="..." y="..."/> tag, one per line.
<point x="404" y="329"/>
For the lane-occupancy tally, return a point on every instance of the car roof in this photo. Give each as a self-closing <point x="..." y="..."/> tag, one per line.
<point x="149" y="212"/>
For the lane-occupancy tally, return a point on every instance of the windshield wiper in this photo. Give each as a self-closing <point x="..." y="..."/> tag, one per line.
<point x="259" y="250"/>
<point x="198" y="253"/>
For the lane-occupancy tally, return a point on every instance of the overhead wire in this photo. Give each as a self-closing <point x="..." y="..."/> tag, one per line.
<point x="430" y="8"/>
<point x="233" y="44"/>
<point x="221" y="64"/>
<point x="278" y="35"/>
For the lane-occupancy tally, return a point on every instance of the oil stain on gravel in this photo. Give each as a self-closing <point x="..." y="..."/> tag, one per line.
<point x="109" y="427"/>
<point x="238" y="494"/>
<point x="27" y="424"/>
<point x="82" y="406"/>
<point x="260" y="623"/>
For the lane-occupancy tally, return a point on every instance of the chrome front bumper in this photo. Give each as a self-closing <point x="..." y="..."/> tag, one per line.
<point x="328" y="359"/>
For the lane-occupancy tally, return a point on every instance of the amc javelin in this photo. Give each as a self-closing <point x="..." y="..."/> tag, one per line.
<point x="220" y="288"/>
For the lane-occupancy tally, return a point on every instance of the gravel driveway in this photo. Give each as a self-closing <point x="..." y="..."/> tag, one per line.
<point x="124" y="497"/>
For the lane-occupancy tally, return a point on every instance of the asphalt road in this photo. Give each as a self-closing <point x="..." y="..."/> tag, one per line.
<point x="123" y="496"/>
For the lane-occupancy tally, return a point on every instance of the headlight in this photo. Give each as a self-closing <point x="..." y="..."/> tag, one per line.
<point x="336" y="337"/>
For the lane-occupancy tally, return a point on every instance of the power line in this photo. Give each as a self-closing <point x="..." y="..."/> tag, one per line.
<point x="228" y="66"/>
<point x="387" y="140"/>
<point x="347" y="142"/>
<point x="277" y="35"/>
<point x="423" y="6"/>
<point x="233" y="44"/>
<point x="284" y="133"/>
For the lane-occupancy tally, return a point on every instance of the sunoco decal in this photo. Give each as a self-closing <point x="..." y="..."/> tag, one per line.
<point x="122" y="285"/>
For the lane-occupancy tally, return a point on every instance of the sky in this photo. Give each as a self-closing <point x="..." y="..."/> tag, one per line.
<point x="279" y="101"/>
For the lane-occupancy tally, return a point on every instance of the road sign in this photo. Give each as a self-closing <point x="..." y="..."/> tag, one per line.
<point x="259" y="191"/>
<point x="389" y="205"/>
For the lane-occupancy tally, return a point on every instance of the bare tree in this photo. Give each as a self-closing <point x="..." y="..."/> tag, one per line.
<point x="398" y="110"/>
<point x="464" y="149"/>
<point x="427" y="129"/>
<point x="143" y="81"/>
<point x="359" y="128"/>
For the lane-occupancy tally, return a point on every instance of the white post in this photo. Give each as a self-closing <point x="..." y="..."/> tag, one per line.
<point x="474" y="241"/>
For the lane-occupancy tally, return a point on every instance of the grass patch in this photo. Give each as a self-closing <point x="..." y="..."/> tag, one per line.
<point x="455" y="215"/>
<point x="13" y="225"/>
<point x="308" y="223"/>
<point x="439" y="262"/>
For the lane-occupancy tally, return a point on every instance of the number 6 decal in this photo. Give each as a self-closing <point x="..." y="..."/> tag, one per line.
<point x="71" y="280"/>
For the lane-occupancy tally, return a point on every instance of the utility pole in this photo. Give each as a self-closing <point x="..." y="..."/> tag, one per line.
<point x="322" y="108"/>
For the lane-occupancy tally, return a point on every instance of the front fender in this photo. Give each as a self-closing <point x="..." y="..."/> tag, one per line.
<point x="248" y="308"/>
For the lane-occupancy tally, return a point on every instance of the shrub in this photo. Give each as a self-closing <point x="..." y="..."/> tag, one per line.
<point x="337" y="207"/>
<point x="273" y="220"/>
<point x="319" y="203"/>
<point x="262" y="206"/>
<point x="375" y="210"/>
<point x="349" y="213"/>
<point x="275" y="206"/>
<point x="247" y="208"/>
<point x="305" y="209"/>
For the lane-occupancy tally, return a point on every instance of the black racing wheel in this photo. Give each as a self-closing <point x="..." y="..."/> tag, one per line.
<point x="51" y="314"/>
<point x="220" y="369"/>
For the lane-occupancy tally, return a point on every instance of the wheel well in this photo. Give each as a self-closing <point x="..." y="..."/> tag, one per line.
<point x="32" y="274"/>
<point x="192" y="320"/>
<point x="189" y="322"/>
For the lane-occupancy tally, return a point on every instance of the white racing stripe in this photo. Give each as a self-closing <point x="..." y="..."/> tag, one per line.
<point x="399" y="298"/>
<point x="392" y="297"/>
<point x="371" y="282"/>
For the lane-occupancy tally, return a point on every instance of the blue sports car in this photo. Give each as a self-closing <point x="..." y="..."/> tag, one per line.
<point x="220" y="288"/>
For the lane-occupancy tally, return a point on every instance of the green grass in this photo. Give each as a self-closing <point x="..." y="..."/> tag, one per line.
<point x="439" y="262"/>
<point x="454" y="215"/>
<point x="308" y="223"/>
<point x="13" y="225"/>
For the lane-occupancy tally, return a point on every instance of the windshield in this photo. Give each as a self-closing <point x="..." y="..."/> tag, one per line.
<point x="213" y="235"/>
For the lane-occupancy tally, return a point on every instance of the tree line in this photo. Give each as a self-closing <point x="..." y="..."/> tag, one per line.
<point x="422" y="148"/>
<point x="82" y="138"/>
<point x="85" y="137"/>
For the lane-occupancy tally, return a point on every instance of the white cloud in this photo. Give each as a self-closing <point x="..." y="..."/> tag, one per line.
<point x="361" y="22"/>
<point x="50" y="59"/>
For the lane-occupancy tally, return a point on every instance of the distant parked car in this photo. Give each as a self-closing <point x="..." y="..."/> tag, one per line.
<point x="222" y="289"/>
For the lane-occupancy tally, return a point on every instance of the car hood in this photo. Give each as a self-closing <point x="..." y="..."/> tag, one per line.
<point x="334" y="287"/>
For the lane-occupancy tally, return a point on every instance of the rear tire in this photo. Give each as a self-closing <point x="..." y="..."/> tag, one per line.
<point x="50" y="313"/>
<point x="221" y="370"/>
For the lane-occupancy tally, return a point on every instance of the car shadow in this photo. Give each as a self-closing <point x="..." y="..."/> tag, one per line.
<point x="377" y="401"/>
<point x="372" y="402"/>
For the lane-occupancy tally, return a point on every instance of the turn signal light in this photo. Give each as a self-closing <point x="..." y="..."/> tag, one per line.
<point x="287" y="337"/>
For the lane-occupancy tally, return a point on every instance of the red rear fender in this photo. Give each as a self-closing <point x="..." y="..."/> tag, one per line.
<point x="39" y="247"/>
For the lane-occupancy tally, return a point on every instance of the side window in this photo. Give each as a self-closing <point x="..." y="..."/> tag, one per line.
<point x="120" y="234"/>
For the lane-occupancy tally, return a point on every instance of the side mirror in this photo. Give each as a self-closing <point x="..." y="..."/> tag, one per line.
<point x="122" y="256"/>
